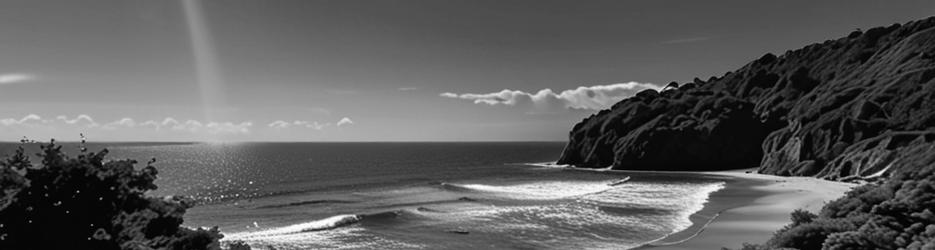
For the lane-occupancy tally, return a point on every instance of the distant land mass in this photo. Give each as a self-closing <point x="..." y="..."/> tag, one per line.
<point x="842" y="109"/>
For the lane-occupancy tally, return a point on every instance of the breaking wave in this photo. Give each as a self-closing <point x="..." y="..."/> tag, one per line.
<point x="549" y="190"/>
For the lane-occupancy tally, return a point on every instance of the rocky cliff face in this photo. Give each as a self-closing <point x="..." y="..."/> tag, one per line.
<point x="838" y="109"/>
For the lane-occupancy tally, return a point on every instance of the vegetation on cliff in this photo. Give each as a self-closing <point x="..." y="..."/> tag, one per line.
<point x="898" y="214"/>
<point x="858" y="108"/>
<point x="839" y="109"/>
<point x="89" y="203"/>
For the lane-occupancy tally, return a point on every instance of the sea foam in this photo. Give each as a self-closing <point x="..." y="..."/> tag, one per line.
<point x="316" y="225"/>
<point x="546" y="190"/>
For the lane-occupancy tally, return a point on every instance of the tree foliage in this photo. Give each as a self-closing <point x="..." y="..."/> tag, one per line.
<point x="898" y="214"/>
<point x="87" y="202"/>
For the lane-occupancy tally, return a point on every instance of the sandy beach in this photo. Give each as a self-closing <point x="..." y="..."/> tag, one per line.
<point x="749" y="209"/>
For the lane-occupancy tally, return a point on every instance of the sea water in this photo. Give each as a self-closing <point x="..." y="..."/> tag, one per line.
<point x="416" y="195"/>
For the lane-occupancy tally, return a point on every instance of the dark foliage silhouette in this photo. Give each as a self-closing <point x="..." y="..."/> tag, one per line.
<point x="87" y="202"/>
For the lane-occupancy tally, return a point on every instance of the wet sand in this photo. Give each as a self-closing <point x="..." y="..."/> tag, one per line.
<point x="750" y="209"/>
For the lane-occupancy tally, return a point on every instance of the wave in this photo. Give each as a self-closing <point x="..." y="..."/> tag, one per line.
<point x="329" y="223"/>
<point x="346" y="231"/>
<point x="662" y="242"/>
<point x="547" y="190"/>
<point x="552" y="164"/>
<point x="316" y="225"/>
<point x="548" y="164"/>
<point x="629" y="215"/>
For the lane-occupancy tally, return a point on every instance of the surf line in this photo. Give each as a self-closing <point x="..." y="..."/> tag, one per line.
<point x="659" y="243"/>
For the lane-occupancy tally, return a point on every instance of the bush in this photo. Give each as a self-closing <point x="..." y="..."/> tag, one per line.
<point x="899" y="214"/>
<point x="800" y="216"/>
<point x="810" y="235"/>
<point x="89" y="203"/>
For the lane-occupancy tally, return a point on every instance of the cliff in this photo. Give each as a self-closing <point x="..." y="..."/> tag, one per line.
<point x="844" y="108"/>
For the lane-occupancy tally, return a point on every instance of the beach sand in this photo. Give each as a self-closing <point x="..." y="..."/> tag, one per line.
<point x="750" y="208"/>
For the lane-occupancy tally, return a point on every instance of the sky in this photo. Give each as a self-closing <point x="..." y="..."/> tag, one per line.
<point x="349" y="70"/>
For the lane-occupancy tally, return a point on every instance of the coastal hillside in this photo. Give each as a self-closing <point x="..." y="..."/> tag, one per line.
<point x="896" y="214"/>
<point x="840" y="109"/>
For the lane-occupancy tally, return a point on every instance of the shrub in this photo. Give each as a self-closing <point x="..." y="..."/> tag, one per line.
<point x="899" y="214"/>
<point x="89" y="203"/>
<point x="800" y="216"/>
<point x="809" y="235"/>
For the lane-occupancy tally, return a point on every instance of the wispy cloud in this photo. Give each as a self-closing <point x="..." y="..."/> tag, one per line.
<point x="193" y="126"/>
<point x="407" y="89"/>
<point x="280" y="124"/>
<point x="687" y="40"/>
<point x="11" y="78"/>
<point x="592" y="97"/>
<point x="80" y="118"/>
<point x="345" y="121"/>
<point x="26" y="119"/>
<point x="169" y="123"/>
<point x="228" y="127"/>
<point x="123" y="122"/>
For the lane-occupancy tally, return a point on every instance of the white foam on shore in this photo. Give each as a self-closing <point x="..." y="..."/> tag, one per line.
<point x="316" y="225"/>
<point x="590" y="204"/>
<point x="329" y="233"/>
<point x="340" y="238"/>
<point x="548" y="164"/>
<point x="542" y="190"/>
<point x="695" y="203"/>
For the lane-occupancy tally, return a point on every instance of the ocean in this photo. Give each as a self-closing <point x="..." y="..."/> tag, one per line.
<point x="415" y="195"/>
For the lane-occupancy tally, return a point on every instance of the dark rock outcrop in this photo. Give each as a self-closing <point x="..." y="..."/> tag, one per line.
<point x="812" y="111"/>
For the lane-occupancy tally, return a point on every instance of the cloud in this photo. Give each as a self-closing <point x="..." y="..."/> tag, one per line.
<point x="228" y="127"/>
<point x="407" y="89"/>
<point x="12" y="78"/>
<point x="169" y="121"/>
<point x="150" y="123"/>
<point x="345" y="121"/>
<point x="189" y="125"/>
<point x="280" y="124"/>
<point x="308" y="124"/>
<point x="193" y="126"/>
<point x="82" y="117"/>
<point x="123" y="122"/>
<point x="168" y="124"/>
<point x="593" y="97"/>
<point x="21" y="121"/>
<point x="687" y="40"/>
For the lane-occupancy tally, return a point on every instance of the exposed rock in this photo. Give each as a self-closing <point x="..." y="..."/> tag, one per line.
<point x="810" y="111"/>
<point x="876" y="156"/>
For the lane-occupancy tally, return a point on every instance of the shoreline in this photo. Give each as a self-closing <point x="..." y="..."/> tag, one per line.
<point x="750" y="208"/>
